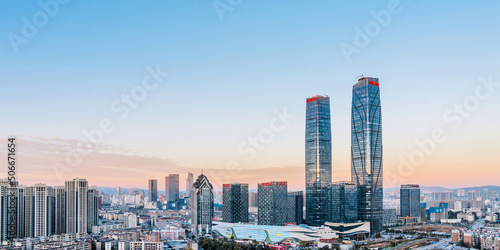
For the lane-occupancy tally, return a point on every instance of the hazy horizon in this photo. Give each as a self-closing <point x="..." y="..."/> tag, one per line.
<point x="150" y="89"/>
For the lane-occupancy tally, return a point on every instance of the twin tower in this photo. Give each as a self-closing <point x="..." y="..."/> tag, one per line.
<point x="366" y="157"/>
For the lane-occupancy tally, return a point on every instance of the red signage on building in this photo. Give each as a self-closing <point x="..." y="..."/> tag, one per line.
<point x="311" y="99"/>
<point x="226" y="185"/>
<point x="281" y="183"/>
<point x="373" y="83"/>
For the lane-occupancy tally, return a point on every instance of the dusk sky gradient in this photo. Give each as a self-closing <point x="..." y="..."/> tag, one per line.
<point x="227" y="76"/>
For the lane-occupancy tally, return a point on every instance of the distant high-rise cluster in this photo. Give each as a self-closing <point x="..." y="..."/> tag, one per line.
<point x="42" y="210"/>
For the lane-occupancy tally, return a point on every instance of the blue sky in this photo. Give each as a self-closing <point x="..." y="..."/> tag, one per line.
<point x="227" y="76"/>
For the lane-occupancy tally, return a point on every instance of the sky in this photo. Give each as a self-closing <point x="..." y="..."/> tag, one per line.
<point x="227" y="72"/>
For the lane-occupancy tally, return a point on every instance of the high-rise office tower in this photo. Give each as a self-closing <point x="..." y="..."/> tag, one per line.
<point x="471" y="194"/>
<point x="76" y="206"/>
<point x="342" y="202"/>
<point x="202" y="209"/>
<point x="60" y="210"/>
<point x="235" y="202"/>
<point x="93" y="208"/>
<point x="172" y="187"/>
<point x="409" y="201"/>
<point x="486" y="195"/>
<point x="189" y="183"/>
<point x="366" y="150"/>
<point x="153" y="190"/>
<point x="295" y="210"/>
<point x="442" y="195"/>
<point x="272" y="208"/>
<point x="318" y="149"/>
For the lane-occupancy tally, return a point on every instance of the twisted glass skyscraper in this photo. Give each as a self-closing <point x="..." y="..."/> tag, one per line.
<point x="318" y="158"/>
<point x="366" y="151"/>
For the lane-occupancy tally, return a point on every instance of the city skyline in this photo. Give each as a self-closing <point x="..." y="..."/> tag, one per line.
<point x="226" y="124"/>
<point x="226" y="85"/>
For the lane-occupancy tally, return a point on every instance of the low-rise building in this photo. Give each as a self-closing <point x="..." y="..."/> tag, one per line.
<point x="170" y="233"/>
<point x="145" y="245"/>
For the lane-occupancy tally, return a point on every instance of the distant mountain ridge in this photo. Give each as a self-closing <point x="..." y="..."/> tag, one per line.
<point x="441" y="189"/>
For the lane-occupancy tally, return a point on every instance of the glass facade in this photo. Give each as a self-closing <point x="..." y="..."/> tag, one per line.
<point x="318" y="150"/>
<point x="272" y="234"/>
<point x="153" y="190"/>
<point x="342" y="202"/>
<point x="235" y="202"/>
<point x="172" y="187"/>
<point x="366" y="151"/>
<point x="202" y="208"/>
<point x="295" y="208"/>
<point x="410" y="201"/>
<point x="273" y="203"/>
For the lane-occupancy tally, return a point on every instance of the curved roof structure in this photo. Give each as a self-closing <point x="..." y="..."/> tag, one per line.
<point x="202" y="182"/>
<point x="272" y="234"/>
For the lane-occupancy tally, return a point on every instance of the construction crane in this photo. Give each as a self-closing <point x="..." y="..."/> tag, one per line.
<point x="422" y="215"/>
<point x="444" y="211"/>
<point x="409" y="217"/>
